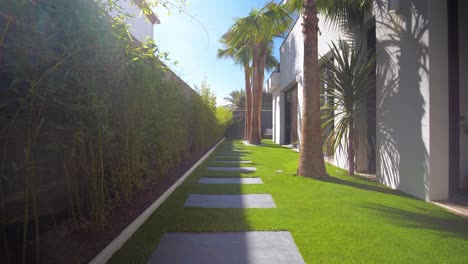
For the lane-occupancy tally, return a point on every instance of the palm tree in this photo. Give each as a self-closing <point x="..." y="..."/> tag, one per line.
<point x="311" y="163"/>
<point x="236" y="98"/>
<point x="242" y="56"/>
<point x="347" y="81"/>
<point x="344" y="13"/>
<point x="256" y="32"/>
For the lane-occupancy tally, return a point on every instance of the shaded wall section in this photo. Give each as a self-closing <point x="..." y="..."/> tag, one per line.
<point x="463" y="60"/>
<point x="412" y="98"/>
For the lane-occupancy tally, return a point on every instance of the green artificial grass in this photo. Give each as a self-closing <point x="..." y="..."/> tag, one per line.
<point x="339" y="220"/>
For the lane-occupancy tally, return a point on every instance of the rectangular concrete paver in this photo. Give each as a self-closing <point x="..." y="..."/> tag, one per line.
<point x="232" y="161"/>
<point x="230" y="201"/>
<point x="239" y="169"/>
<point x="232" y="149"/>
<point x="230" y="181"/>
<point x="227" y="248"/>
<point x="232" y="153"/>
<point x="229" y="157"/>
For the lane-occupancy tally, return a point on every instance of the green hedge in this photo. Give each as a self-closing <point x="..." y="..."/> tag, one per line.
<point x="86" y="115"/>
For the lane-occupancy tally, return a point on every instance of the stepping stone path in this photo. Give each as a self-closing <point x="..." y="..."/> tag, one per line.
<point x="230" y="181"/>
<point x="232" y="153"/>
<point x="239" y="169"/>
<point x="228" y="157"/>
<point x="227" y="247"/>
<point x="234" y="150"/>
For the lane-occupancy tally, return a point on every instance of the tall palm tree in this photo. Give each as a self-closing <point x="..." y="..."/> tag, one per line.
<point x="311" y="163"/>
<point x="256" y="32"/>
<point x="347" y="81"/>
<point x="242" y="56"/>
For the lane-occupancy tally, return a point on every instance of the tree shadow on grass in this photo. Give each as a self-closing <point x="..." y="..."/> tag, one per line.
<point x="271" y="145"/>
<point x="371" y="186"/>
<point x="454" y="225"/>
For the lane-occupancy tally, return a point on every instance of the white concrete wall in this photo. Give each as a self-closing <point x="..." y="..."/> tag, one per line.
<point x="291" y="57"/>
<point x="140" y="27"/>
<point x="278" y="120"/>
<point x="412" y="102"/>
<point x="463" y="52"/>
<point x="273" y="116"/>
<point x="291" y="61"/>
<point x="292" y="50"/>
<point x="299" y="109"/>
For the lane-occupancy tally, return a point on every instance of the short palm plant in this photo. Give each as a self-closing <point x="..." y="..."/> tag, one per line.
<point x="348" y="82"/>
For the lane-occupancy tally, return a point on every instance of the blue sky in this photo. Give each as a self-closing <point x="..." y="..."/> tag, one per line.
<point x="193" y="44"/>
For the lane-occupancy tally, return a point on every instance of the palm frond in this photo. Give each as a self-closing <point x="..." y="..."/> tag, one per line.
<point x="347" y="81"/>
<point x="344" y="13"/>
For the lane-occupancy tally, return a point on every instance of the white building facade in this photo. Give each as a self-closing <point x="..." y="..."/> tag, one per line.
<point x="419" y="144"/>
<point x="141" y="25"/>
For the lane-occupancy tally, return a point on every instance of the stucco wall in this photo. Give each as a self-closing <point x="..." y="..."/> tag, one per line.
<point x="291" y="56"/>
<point x="278" y="117"/>
<point x="140" y="26"/>
<point x="412" y="110"/>
<point x="292" y="50"/>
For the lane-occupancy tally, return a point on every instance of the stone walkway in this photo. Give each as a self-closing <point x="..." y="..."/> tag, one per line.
<point x="232" y="161"/>
<point x="230" y="180"/>
<point x="238" y="169"/>
<point x="255" y="247"/>
<point x="227" y="157"/>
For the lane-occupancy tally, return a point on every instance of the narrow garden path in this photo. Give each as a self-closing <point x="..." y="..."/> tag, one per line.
<point x="245" y="205"/>
<point x="267" y="247"/>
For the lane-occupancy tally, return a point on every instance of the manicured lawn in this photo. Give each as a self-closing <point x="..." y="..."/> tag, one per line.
<point x="340" y="220"/>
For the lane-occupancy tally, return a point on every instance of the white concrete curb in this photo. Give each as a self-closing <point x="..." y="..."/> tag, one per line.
<point x="450" y="209"/>
<point x="118" y="242"/>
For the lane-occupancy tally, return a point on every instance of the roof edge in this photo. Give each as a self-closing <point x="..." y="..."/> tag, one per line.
<point x="151" y="16"/>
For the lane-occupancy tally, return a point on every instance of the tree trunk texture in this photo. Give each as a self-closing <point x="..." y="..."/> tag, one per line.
<point x="351" y="150"/>
<point x="248" y="103"/>
<point x="311" y="162"/>
<point x="259" y="59"/>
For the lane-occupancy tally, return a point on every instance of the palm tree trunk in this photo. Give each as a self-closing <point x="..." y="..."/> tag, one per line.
<point x="311" y="162"/>
<point x="248" y="103"/>
<point x="258" y="65"/>
<point x="351" y="150"/>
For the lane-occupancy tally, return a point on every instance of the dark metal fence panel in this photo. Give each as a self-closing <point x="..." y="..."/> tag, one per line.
<point x="236" y="129"/>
